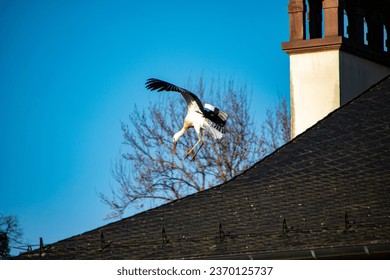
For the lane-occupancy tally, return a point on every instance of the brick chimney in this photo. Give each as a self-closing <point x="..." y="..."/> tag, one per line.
<point x="337" y="49"/>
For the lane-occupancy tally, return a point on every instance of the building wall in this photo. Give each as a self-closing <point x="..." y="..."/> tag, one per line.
<point x="314" y="86"/>
<point x="320" y="82"/>
<point x="357" y="75"/>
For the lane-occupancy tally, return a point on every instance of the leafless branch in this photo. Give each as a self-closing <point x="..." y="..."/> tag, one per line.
<point x="148" y="172"/>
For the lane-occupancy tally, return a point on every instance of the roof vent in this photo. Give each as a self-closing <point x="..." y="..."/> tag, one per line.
<point x="165" y="239"/>
<point x="221" y="233"/>
<point x="284" y="227"/>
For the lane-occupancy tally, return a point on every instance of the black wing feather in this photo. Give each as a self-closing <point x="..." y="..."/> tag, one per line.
<point x="159" y="85"/>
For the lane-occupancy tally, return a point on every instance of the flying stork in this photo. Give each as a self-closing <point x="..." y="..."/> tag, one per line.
<point x="200" y="117"/>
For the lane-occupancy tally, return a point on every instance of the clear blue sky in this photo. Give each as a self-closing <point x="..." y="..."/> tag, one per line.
<point x="71" y="71"/>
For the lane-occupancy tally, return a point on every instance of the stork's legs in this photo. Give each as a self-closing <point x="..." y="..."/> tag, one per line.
<point x="200" y="139"/>
<point x="201" y="145"/>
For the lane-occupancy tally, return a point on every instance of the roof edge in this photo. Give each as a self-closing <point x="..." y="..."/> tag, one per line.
<point x="368" y="251"/>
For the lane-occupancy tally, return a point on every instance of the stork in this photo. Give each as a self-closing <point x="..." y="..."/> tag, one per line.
<point x="200" y="117"/>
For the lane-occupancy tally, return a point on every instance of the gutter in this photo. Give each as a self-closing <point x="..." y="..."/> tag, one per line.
<point x="372" y="251"/>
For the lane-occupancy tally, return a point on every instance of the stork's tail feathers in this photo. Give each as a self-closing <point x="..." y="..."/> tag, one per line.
<point x="215" y="121"/>
<point x="217" y="112"/>
<point x="212" y="128"/>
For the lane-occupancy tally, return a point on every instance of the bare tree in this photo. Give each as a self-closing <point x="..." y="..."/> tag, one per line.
<point x="10" y="232"/>
<point x="149" y="173"/>
<point x="276" y="129"/>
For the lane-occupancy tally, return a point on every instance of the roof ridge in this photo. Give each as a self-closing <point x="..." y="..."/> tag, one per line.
<point x="312" y="127"/>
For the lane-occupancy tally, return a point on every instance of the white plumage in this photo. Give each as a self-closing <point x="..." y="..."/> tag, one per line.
<point x="200" y="117"/>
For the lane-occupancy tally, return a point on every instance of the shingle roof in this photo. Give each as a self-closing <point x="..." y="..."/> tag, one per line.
<point x="325" y="193"/>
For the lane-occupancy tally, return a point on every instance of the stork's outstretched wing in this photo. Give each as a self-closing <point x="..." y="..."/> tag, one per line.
<point x="159" y="85"/>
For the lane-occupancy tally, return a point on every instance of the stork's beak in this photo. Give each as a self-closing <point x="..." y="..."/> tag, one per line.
<point x="174" y="147"/>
